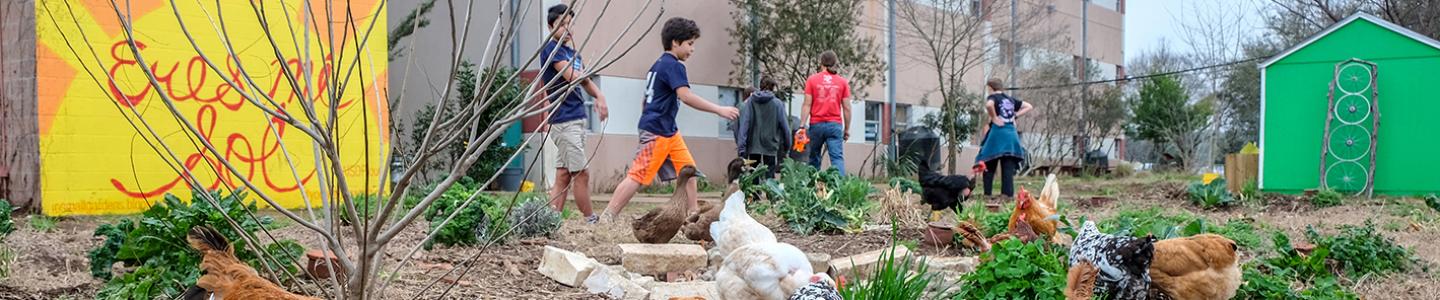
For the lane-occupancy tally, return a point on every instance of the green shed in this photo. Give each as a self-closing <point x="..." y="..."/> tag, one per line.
<point x="1321" y="105"/>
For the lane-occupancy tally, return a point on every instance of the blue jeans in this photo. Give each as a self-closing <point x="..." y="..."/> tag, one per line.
<point x="832" y="136"/>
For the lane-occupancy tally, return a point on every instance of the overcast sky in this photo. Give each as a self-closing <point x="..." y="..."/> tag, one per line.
<point x="1149" y="22"/>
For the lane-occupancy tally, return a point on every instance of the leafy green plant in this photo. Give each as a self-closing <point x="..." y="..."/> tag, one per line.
<point x="1210" y="195"/>
<point x="480" y="222"/>
<point x="1274" y="277"/>
<point x="990" y="223"/>
<point x="7" y="225"/>
<point x="160" y="262"/>
<point x="1251" y="191"/>
<point x="1360" y="251"/>
<point x="895" y="278"/>
<point x="1139" y="223"/>
<point x="817" y="201"/>
<point x="1327" y="198"/>
<point x="43" y="223"/>
<point x="1016" y="270"/>
<point x="905" y="184"/>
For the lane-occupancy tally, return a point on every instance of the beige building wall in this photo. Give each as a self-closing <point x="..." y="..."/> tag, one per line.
<point x="622" y="82"/>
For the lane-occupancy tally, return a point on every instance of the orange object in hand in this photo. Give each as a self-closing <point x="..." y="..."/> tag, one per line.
<point x="801" y="139"/>
<point x="978" y="169"/>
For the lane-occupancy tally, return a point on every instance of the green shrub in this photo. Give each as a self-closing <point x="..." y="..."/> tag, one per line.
<point x="1251" y="191"/>
<point x="905" y="184"/>
<point x="7" y="225"/>
<point x="1211" y="195"/>
<point x="481" y="222"/>
<point x="155" y="249"/>
<point x="796" y="199"/>
<point x="1274" y="277"/>
<point x="1327" y="198"/>
<point x="1360" y="251"/>
<point x="1015" y="270"/>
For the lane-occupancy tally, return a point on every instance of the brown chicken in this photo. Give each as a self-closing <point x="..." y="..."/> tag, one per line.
<point x="1203" y="266"/>
<point x="1080" y="282"/>
<point x="660" y="224"/>
<point x="225" y="276"/>
<point x="1038" y="213"/>
<point x="1020" y="230"/>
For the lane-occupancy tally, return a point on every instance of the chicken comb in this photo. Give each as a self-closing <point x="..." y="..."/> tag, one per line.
<point x="1023" y="199"/>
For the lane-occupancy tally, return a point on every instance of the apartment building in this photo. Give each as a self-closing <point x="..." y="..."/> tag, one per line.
<point x="708" y="136"/>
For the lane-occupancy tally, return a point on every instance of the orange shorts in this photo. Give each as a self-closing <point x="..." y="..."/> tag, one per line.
<point x="653" y="152"/>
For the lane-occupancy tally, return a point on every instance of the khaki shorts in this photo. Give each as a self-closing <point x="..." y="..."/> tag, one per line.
<point x="570" y="143"/>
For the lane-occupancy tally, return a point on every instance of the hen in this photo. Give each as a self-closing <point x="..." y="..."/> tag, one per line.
<point x="225" y="276"/>
<point x="766" y="270"/>
<point x="944" y="192"/>
<point x="1198" y="267"/>
<point x="735" y="228"/>
<point x="660" y="224"/>
<point x="1123" y="262"/>
<point x="1039" y="214"/>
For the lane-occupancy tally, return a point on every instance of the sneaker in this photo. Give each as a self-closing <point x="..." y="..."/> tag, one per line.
<point x="592" y="219"/>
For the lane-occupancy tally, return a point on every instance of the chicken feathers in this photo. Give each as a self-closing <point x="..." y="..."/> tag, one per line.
<point x="735" y="228"/>
<point x="659" y="225"/>
<point x="225" y="276"/>
<point x="1203" y="266"/>
<point x="1123" y="262"/>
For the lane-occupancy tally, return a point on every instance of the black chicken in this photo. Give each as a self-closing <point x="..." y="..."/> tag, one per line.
<point x="944" y="192"/>
<point x="1123" y="262"/>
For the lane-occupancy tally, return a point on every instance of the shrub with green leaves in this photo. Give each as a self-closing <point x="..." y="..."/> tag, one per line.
<point x="1274" y="277"/>
<point x="1139" y="223"/>
<point x="534" y="218"/>
<point x="1016" y="270"/>
<point x="843" y="207"/>
<point x="7" y="225"/>
<point x="1327" y="198"/>
<point x="905" y="184"/>
<point x="160" y="261"/>
<point x="1210" y="195"/>
<point x="1360" y="251"/>
<point x="480" y="222"/>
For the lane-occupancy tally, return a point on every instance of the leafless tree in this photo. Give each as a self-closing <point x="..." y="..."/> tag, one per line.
<point x="360" y="246"/>
<point x="954" y="37"/>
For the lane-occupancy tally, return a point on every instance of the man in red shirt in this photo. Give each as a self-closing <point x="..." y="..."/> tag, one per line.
<point x="825" y="110"/>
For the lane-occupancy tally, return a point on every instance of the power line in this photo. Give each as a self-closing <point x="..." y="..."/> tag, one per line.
<point x="1128" y="78"/>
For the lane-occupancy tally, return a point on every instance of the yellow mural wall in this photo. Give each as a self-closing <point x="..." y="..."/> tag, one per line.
<point x="95" y="158"/>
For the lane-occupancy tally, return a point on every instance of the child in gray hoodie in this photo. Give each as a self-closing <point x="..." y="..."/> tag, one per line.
<point x="764" y="133"/>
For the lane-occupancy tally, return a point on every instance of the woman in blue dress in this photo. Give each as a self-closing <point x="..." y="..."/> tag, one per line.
<point x="1000" y="148"/>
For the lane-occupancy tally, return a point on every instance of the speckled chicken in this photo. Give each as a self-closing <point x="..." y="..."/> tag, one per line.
<point x="1123" y="262"/>
<point x="659" y="225"/>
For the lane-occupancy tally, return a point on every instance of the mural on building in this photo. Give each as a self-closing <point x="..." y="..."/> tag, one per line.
<point x="95" y="158"/>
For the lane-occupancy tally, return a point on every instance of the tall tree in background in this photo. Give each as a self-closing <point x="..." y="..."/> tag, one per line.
<point x="1164" y="116"/>
<point x="1239" y="98"/>
<point x="949" y="37"/>
<point x="786" y="37"/>
<point x="1295" y="20"/>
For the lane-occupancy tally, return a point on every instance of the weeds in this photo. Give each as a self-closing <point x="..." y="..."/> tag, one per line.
<point x="7" y="225"/>
<point x="1209" y="196"/>
<point x="43" y="223"/>
<point x="1358" y="251"/>
<point x="1016" y="270"/>
<point x="895" y="278"/>
<point x="7" y="258"/>
<point x="1327" y="198"/>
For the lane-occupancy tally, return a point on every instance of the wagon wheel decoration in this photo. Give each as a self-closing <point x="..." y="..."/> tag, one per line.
<point x="1352" y="123"/>
<point x="1349" y="142"/>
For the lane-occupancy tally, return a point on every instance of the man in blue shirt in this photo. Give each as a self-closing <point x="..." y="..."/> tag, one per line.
<point x="660" y="141"/>
<point x="562" y="68"/>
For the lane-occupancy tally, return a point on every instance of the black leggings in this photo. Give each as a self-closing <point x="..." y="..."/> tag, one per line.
<point x="1007" y="166"/>
<point x="771" y="163"/>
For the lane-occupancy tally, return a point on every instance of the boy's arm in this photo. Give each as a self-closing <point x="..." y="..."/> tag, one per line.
<point x="845" y="115"/>
<point x="693" y="100"/>
<point x="789" y="140"/>
<point x="568" y="71"/>
<point x="601" y="108"/>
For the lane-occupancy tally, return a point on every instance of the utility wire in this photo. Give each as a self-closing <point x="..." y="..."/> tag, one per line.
<point x="1128" y="78"/>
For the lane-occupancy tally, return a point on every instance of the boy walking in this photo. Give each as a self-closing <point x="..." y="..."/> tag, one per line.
<point x="660" y="141"/>
<point x="825" y="109"/>
<point x="562" y="66"/>
<point x="764" y="134"/>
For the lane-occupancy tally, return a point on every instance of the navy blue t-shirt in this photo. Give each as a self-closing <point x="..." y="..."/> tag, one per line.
<point x="573" y="105"/>
<point x="661" y="101"/>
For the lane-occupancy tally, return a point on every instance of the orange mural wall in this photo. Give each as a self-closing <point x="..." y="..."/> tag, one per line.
<point x="97" y="153"/>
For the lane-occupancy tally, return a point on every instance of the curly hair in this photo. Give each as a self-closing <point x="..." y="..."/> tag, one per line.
<point x="678" y="29"/>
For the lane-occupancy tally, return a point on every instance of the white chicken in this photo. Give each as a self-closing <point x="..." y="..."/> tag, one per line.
<point x="736" y="229"/>
<point x="767" y="270"/>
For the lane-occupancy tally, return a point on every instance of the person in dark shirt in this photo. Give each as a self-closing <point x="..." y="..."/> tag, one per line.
<point x="660" y="141"/>
<point x="764" y="133"/>
<point x="1001" y="147"/>
<point x="562" y="68"/>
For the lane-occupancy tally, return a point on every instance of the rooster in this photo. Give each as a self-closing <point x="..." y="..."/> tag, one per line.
<point x="1039" y="214"/>
<point x="735" y="228"/>
<point x="767" y="270"/>
<point x="1204" y="266"/>
<point x="1123" y="263"/>
<point x="225" y="276"/>
<point x="944" y="192"/>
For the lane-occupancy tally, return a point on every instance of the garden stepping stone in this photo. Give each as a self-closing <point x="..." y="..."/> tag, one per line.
<point x="659" y="259"/>
<point x="861" y="265"/>
<point x="568" y="268"/>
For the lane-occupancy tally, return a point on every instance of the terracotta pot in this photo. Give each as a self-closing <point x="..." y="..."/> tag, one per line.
<point x="316" y="266"/>
<point x="992" y="207"/>
<point x="939" y="234"/>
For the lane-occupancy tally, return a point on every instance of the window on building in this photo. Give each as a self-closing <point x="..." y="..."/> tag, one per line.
<point x="902" y="117"/>
<point x="728" y="97"/>
<point x="873" y="111"/>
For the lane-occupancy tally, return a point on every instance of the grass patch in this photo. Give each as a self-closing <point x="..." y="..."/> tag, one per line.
<point x="43" y="223"/>
<point x="1327" y="198"/>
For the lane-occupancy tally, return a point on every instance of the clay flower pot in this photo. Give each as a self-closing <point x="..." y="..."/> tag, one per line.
<point x="316" y="266"/>
<point x="939" y="234"/>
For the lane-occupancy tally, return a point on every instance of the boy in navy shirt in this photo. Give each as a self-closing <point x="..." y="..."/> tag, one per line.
<point x="562" y="66"/>
<point x="660" y="141"/>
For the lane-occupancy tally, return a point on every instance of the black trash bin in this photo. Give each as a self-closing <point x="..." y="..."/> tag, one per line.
<point x="921" y="146"/>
